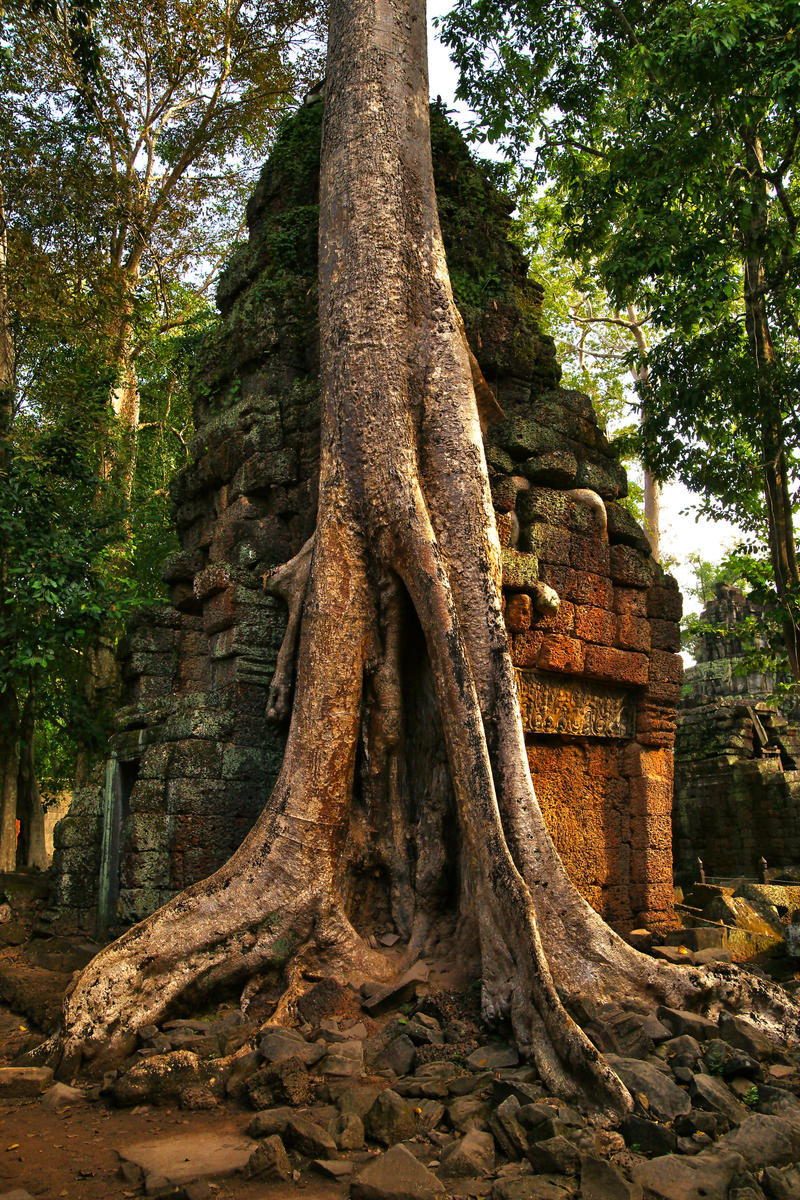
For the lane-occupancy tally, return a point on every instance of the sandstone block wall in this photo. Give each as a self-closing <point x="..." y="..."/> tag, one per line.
<point x="193" y="760"/>
<point x="737" y="785"/>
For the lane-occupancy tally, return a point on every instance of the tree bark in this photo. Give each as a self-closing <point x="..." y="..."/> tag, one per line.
<point x="9" y="767"/>
<point x="777" y="497"/>
<point x="405" y="515"/>
<point x="9" y="711"/>
<point x="652" y="489"/>
<point x="31" y="848"/>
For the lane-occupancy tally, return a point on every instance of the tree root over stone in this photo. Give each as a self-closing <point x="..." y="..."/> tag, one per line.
<point x="404" y="511"/>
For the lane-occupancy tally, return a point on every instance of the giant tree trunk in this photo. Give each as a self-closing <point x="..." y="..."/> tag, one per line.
<point x="405" y="515"/>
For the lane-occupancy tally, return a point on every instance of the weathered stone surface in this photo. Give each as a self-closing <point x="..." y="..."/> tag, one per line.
<point x="309" y="1138"/>
<point x="163" y="1079"/>
<point x="271" y="1120"/>
<point x="555" y="1154"/>
<point x="648" y="1137"/>
<point x="472" y="1155"/>
<point x="344" y="1059"/>
<point x="333" y="1168"/>
<point x="358" y="1098"/>
<point x="600" y="1180"/>
<point x="284" y="1082"/>
<point x="400" y="1055"/>
<point x="269" y="1160"/>
<point x="493" y="1057"/>
<point x="24" y="1081"/>
<point x="507" y="1130"/>
<point x="709" y="1092"/>
<point x="61" y="1096"/>
<point x="390" y="1119"/>
<point x="532" y="1187"/>
<point x="664" y="1098"/>
<point x="705" y="1177"/>
<point x="696" y="1026"/>
<point x="396" y="1175"/>
<point x="348" y="1130"/>
<point x="278" y="1044"/>
<point x="468" y="1112"/>
<point x="189" y="1156"/>
<point x="764" y="1141"/>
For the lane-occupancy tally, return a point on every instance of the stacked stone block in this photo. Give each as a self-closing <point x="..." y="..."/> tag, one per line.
<point x="605" y="784"/>
<point x="737" y="794"/>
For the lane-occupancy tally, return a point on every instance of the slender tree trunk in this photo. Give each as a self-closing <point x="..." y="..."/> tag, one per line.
<point x="99" y="668"/>
<point x="125" y="397"/>
<point x="9" y="768"/>
<point x="9" y="712"/>
<point x="404" y="511"/>
<point x="652" y="489"/>
<point x="31" y="848"/>
<point x="777" y="496"/>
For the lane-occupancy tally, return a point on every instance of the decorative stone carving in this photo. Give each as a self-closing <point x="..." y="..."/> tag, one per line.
<point x="560" y="704"/>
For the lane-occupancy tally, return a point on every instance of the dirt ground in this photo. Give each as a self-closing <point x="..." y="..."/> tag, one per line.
<point x="72" y="1154"/>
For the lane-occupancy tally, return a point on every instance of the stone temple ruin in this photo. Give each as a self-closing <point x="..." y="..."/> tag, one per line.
<point x="192" y="758"/>
<point x="737" y="782"/>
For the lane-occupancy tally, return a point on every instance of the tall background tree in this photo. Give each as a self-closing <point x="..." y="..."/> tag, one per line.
<point x="130" y="135"/>
<point x="672" y="132"/>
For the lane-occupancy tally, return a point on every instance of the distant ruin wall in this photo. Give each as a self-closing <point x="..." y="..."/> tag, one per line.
<point x="737" y="783"/>
<point x="193" y="759"/>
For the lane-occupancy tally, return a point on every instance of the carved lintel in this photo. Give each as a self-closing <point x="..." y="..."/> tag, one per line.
<point x="577" y="707"/>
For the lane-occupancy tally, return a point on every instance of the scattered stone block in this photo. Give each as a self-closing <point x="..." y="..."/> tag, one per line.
<point x="391" y="1119"/>
<point x="468" y="1112"/>
<point x="764" y="1141"/>
<point x="189" y="1155"/>
<point x="396" y="1175"/>
<point x="61" y="1096"/>
<point x="358" y="1098"/>
<point x="507" y="1131"/>
<point x="284" y="1082"/>
<point x="648" y="1137"/>
<point x="269" y="1160"/>
<point x="665" y="1099"/>
<point x="556" y="1154"/>
<point x="471" y="1155"/>
<point x="278" y="1044"/>
<point x="493" y="1057"/>
<point x="310" y="1139"/>
<point x="709" y="1092"/>
<point x="348" y="1131"/>
<point x="344" y="1059"/>
<point x="271" y="1120"/>
<point x="399" y="1056"/>
<point x="701" y="1028"/>
<point x="24" y="1081"/>
<point x="600" y="1180"/>
<point x="704" y="1177"/>
<point x="531" y="1187"/>
<point x="333" y="1168"/>
<point x="397" y="993"/>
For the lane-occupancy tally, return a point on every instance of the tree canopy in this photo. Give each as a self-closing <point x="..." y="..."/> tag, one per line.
<point x="671" y="134"/>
